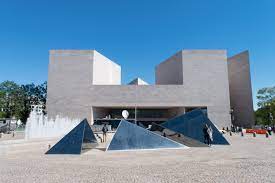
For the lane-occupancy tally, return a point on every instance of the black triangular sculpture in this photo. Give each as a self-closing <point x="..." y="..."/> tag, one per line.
<point x="73" y="141"/>
<point x="191" y="125"/>
<point x="175" y="136"/>
<point x="132" y="137"/>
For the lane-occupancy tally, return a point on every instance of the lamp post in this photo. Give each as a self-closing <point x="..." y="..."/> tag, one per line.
<point x="136" y="104"/>
<point x="232" y="115"/>
<point x="270" y="116"/>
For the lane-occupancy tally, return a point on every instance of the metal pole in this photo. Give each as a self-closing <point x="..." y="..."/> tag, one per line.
<point x="270" y="117"/>
<point x="270" y="114"/>
<point x="135" y="114"/>
<point x="232" y="116"/>
<point x="136" y="105"/>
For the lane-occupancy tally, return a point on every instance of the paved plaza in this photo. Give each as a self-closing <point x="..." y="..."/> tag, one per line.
<point x="247" y="159"/>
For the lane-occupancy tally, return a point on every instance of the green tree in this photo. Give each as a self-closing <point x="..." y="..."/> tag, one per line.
<point x="265" y="114"/>
<point x="11" y="99"/>
<point x="16" y="101"/>
<point x="266" y="96"/>
<point x="34" y="95"/>
<point x="2" y="104"/>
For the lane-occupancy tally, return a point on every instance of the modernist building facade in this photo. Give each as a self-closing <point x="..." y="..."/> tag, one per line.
<point x="86" y="84"/>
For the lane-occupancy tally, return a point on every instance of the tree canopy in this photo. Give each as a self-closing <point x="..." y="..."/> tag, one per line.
<point x="266" y="96"/>
<point x="266" y="102"/>
<point x="16" y="100"/>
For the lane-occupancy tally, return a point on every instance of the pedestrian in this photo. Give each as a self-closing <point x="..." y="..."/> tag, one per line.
<point x="232" y="128"/>
<point x="104" y="131"/>
<point x="269" y="129"/>
<point x="205" y="134"/>
<point x="210" y="135"/>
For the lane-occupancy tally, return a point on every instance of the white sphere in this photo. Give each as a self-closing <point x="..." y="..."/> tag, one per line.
<point x="125" y="114"/>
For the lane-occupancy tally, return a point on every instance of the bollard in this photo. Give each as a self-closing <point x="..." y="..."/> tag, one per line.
<point x="254" y="134"/>
<point x="266" y="134"/>
<point x="230" y="133"/>
<point x="242" y="134"/>
<point x="13" y="134"/>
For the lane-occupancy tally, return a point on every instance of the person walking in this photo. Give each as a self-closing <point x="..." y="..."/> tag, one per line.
<point x="104" y="131"/>
<point x="269" y="129"/>
<point x="210" y="135"/>
<point x="205" y="134"/>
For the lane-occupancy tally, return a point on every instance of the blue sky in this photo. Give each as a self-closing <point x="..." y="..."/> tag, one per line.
<point x="136" y="34"/>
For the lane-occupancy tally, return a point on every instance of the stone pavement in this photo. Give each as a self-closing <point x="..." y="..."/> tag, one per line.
<point x="247" y="159"/>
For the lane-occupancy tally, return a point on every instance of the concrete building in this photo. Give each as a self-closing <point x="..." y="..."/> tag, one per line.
<point x="85" y="84"/>
<point x="240" y="89"/>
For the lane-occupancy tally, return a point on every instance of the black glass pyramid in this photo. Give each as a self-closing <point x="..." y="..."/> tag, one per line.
<point x="75" y="140"/>
<point x="175" y="136"/>
<point x="132" y="137"/>
<point x="191" y="125"/>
